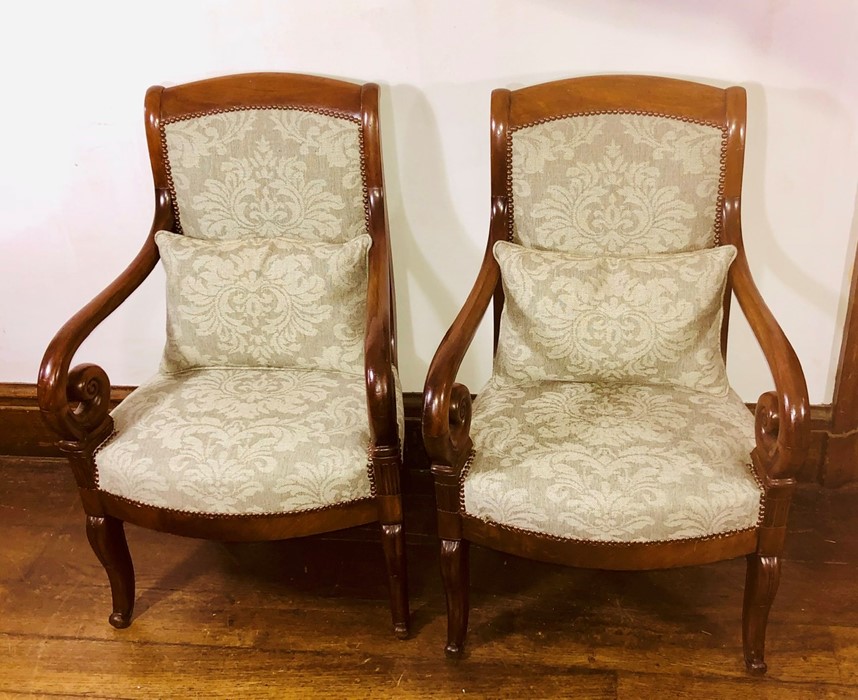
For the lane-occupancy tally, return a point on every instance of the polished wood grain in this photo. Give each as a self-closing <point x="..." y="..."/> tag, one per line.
<point x="75" y="401"/>
<point x="781" y="416"/>
<point x="598" y="555"/>
<point x="263" y="90"/>
<point x="618" y="92"/>
<point x="305" y="617"/>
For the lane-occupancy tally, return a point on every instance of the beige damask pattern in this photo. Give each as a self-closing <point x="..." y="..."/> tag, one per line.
<point x="267" y="172"/>
<point x="612" y="463"/>
<point x="617" y="184"/>
<point x="240" y="441"/>
<point x="647" y="320"/>
<point x="264" y="302"/>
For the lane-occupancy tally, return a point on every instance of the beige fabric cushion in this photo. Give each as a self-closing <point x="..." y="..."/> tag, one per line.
<point x="267" y="172"/>
<point x="240" y="441"/>
<point x="612" y="463"/>
<point x="264" y="302"/>
<point x="617" y="184"/>
<point x="653" y="319"/>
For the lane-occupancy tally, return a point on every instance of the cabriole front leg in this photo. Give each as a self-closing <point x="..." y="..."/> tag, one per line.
<point x="761" y="585"/>
<point x="107" y="538"/>
<point x="454" y="572"/>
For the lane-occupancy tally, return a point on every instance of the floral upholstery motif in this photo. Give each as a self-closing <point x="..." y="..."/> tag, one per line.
<point x="264" y="302"/>
<point x="617" y="184"/>
<point x="609" y="462"/>
<point x="267" y="173"/>
<point x="274" y="413"/>
<point x="608" y="417"/>
<point x="608" y="436"/>
<point x="241" y="442"/>
<point x="654" y="319"/>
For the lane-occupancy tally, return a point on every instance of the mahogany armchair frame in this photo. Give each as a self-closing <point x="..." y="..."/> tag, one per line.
<point x="75" y="402"/>
<point x="781" y="417"/>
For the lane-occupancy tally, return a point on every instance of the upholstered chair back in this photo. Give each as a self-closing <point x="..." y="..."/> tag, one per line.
<point x="266" y="172"/>
<point x="272" y="268"/>
<point x="616" y="184"/>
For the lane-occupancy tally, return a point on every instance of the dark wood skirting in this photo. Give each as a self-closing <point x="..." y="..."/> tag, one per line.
<point x="23" y="434"/>
<point x="841" y="464"/>
<point x="22" y="431"/>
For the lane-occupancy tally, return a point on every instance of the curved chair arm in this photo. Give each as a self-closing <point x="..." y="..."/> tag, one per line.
<point x="782" y="425"/>
<point x="446" y="403"/>
<point x="75" y="403"/>
<point x="379" y="359"/>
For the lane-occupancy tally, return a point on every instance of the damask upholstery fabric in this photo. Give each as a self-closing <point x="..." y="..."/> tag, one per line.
<point x="647" y="320"/>
<point x="617" y="184"/>
<point x="608" y="462"/>
<point x="267" y="172"/>
<point x="264" y="302"/>
<point x="240" y="441"/>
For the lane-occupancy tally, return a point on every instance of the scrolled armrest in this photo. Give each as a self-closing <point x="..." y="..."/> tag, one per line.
<point x="88" y="390"/>
<point x="75" y="403"/>
<point x="380" y="386"/>
<point x="781" y="432"/>
<point x="379" y="343"/>
<point x="781" y="416"/>
<point x="447" y="403"/>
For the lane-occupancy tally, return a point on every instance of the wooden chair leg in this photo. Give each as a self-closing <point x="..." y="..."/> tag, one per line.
<point x="107" y="538"/>
<point x="761" y="585"/>
<point x="455" y="574"/>
<point x="393" y="543"/>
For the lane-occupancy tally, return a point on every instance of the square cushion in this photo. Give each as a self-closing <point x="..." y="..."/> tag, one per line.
<point x="645" y="320"/>
<point x="264" y="302"/>
<point x="612" y="462"/>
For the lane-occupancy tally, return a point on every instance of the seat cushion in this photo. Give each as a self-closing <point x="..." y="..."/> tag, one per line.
<point x="612" y="462"/>
<point x="240" y="441"/>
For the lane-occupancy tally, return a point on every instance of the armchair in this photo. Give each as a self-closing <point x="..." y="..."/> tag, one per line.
<point x="277" y="410"/>
<point x="607" y="436"/>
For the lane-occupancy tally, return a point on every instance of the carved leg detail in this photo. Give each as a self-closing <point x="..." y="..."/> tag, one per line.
<point x="761" y="585"/>
<point x="107" y="538"/>
<point x="393" y="542"/>
<point x="454" y="572"/>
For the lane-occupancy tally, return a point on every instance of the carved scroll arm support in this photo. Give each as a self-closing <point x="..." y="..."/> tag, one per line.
<point x="75" y="402"/>
<point x="379" y="364"/>
<point x="447" y="403"/>
<point x="782" y="416"/>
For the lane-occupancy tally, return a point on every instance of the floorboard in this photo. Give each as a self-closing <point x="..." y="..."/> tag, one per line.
<point x="309" y="618"/>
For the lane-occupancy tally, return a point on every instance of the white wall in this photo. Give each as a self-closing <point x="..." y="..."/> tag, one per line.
<point x="75" y="182"/>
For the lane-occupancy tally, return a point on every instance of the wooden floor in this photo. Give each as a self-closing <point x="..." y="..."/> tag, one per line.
<point x="308" y="618"/>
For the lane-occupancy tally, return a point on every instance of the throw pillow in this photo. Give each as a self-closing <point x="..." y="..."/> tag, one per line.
<point x="642" y="320"/>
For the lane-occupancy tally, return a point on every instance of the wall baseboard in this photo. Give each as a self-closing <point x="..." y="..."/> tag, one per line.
<point x="24" y="434"/>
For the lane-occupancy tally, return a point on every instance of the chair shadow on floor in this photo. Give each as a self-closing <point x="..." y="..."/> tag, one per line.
<point x="320" y="568"/>
<point x="555" y="602"/>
